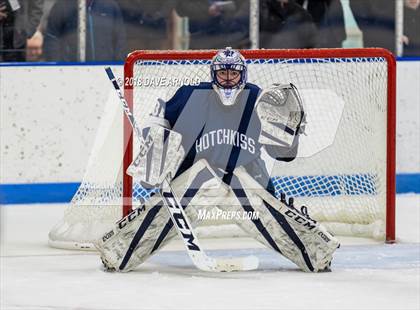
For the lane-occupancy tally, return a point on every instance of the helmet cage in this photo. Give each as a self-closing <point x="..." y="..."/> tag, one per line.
<point x="228" y="59"/>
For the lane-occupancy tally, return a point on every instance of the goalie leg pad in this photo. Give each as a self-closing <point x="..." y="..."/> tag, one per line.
<point x="130" y="242"/>
<point x="148" y="228"/>
<point x="297" y="237"/>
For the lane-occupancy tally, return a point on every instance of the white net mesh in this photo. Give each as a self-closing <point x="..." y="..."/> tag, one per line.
<point x="97" y="203"/>
<point x="340" y="171"/>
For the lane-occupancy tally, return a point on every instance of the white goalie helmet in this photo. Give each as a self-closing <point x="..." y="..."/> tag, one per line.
<point x="229" y="74"/>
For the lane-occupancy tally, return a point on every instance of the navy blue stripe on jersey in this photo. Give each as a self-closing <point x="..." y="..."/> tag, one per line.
<point x="243" y="126"/>
<point x="291" y="233"/>
<point x="189" y="159"/>
<point x="139" y="234"/>
<point x="242" y="197"/>
<point x="181" y="97"/>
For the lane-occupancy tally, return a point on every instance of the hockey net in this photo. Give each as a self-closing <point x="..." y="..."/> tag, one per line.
<point x="345" y="168"/>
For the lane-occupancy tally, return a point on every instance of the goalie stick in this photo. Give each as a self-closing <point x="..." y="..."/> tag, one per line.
<point x="200" y="259"/>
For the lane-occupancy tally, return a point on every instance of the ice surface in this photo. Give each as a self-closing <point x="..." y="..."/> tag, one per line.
<point x="366" y="275"/>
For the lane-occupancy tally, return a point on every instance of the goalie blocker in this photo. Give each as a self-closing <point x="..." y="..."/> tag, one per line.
<point x="280" y="226"/>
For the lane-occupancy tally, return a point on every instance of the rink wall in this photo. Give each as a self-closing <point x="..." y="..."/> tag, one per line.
<point x="49" y="114"/>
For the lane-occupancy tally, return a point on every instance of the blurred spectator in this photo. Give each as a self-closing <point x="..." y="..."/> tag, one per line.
<point x="216" y="24"/>
<point x="19" y="20"/>
<point x="285" y="24"/>
<point x="328" y="16"/>
<point x="105" y="33"/>
<point x="376" y="20"/>
<point x="146" y="23"/>
<point x="34" y="47"/>
<point x="411" y="37"/>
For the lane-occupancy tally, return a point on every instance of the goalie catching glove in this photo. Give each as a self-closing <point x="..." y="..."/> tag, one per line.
<point x="280" y="110"/>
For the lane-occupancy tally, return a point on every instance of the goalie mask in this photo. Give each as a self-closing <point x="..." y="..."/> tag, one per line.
<point x="228" y="74"/>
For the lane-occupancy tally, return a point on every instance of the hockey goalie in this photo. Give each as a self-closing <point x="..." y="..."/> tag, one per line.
<point x="202" y="148"/>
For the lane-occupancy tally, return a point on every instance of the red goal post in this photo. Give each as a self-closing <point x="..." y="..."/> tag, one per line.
<point x="309" y="55"/>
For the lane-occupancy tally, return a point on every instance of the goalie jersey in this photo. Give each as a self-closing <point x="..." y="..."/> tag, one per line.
<point x="226" y="136"/>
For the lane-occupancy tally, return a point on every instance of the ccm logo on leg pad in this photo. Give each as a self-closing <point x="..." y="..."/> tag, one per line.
<point x="130" y="217"/>
<point x="300" y="219"/>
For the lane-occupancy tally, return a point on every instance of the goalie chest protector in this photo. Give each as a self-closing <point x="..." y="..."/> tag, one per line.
<point x="212" y="130"/>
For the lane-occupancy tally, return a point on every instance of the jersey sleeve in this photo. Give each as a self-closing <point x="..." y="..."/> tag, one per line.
<point x="175" y="105"/>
